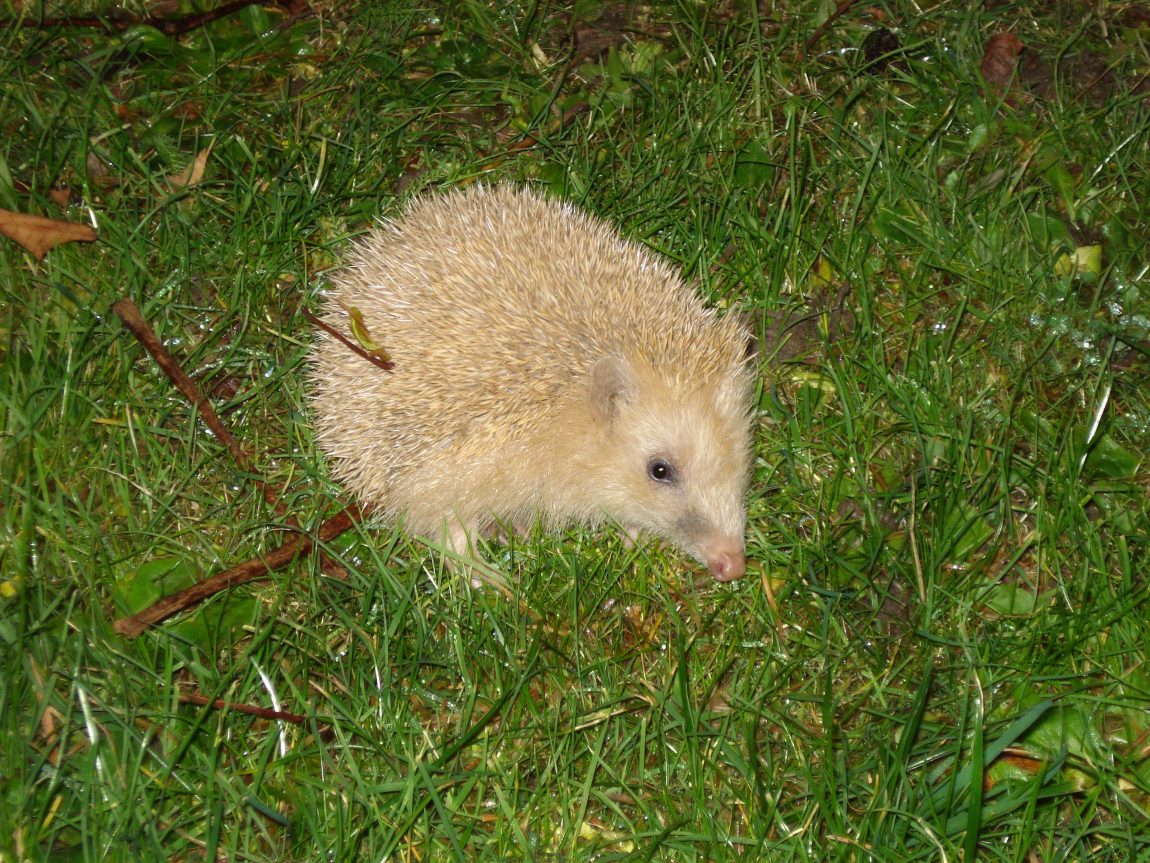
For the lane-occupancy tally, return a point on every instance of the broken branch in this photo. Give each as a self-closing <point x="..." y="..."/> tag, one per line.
<point x="250" y="709"/>
<point x="840" y="10"/>
<point x="386" y="365"/>
<point x="250" y="570"/>
<point x="130" y="314"/>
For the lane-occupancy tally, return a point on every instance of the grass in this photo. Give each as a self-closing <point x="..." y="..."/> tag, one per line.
<point x="941" y="652"/>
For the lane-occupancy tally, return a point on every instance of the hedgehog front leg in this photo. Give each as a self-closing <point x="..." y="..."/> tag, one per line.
<point x="632" y="536"/>
<point x="460" y="539"/>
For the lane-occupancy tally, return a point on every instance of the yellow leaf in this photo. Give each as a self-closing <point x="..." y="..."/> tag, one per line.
<point x="362" y="335"/>
<point x="1085" y="260"/>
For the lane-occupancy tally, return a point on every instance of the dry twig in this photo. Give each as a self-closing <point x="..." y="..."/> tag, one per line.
<point x="250" y="709"/>
<point x="840" y="10"/>
<point x="130" y="314"/>
<point x="250" y="570"/>
<point x="386" y="365"/>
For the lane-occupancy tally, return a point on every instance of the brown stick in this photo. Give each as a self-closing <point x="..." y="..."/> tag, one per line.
<point x="386" y="365"/>
<point x="840" y="10"/>
<point x="250" y="709"/>
<point x="250" y="570"/>
<point x="130" y="314"/>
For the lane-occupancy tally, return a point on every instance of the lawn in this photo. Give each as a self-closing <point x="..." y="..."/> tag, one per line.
<point x="936" y="219"/>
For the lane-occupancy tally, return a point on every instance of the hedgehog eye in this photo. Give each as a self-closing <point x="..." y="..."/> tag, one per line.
<point x="660" y="470"/>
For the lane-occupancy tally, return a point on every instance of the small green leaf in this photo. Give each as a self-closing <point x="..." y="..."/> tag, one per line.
<point x="1011" y="600"/>
<point x="978" y="136"/>
<point x="968" y="529"/>
<point x="1082" y="260"/>
<point x="257" y="18"/>
<point x="1068" y="728"/>
<point x="1059" y="176"/>
<point x="156" y="578"/>
<point x="754" y="167"/>
<point x="216" y="620"/>
<point x="814" y="379"/>
<point x="821" y="276"/>
<point x="1048" y="231"/>
<point x="1108" y="458"/>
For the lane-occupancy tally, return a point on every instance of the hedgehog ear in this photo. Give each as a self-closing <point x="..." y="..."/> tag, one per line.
<point x="612" y="383"/>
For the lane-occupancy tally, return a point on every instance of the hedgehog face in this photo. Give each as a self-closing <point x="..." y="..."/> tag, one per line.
<point x="676" y="464"/>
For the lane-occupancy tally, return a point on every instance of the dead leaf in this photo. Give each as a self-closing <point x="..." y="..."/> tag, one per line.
<point x="881" y="49"/>
<point x="100" y="170"/>
<point x="39" y="235"/>
<point x="1000" y="58"/>
<point x="1017" y="762"/>
<point x="193" y="173"/>
<point x="61" y="197"/>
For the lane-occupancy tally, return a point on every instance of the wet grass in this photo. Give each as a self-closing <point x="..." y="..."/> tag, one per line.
<point x="940" y="652"/>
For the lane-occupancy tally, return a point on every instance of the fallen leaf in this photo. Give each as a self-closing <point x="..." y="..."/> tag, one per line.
<point x="193" y="173"/>
<point x="879" y="48"/>
<point x="61" y="197"/>
<point x="100" y="171"/>
<point x="1084" y="261"/>
<point x="363" y="335"/>
<point x="1013" y="764"/>
<point x="1000" y="58"/>
<point x="39" y="235"/>
<point x="11" y="588"/>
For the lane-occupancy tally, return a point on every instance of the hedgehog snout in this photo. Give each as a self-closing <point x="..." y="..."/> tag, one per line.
<point x="725" y="558"/>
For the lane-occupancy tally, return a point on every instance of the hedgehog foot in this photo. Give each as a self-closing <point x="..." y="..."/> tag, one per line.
<point x="465" y="557"/>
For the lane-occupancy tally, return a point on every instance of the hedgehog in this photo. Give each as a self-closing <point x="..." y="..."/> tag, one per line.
<point x="545" y="371"/>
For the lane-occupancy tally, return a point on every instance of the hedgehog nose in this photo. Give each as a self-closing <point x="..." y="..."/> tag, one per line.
<point x="727" y="565"/>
